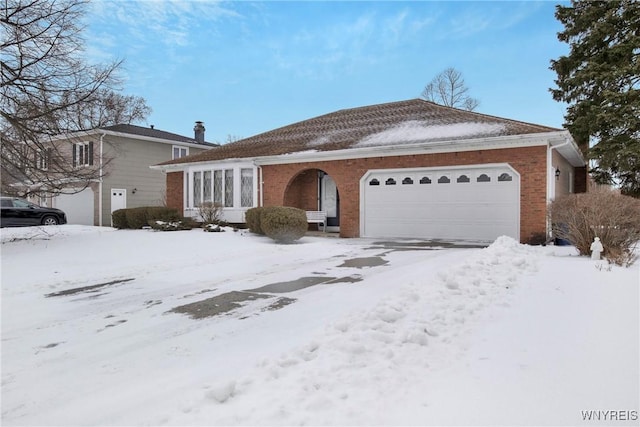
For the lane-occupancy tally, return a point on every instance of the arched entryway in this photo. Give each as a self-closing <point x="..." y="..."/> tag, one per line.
<point x="315" y="190"/>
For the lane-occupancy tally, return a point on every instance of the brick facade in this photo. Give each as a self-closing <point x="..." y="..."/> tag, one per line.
<point x="296" y="184"/>
<point x="175" y="190"/>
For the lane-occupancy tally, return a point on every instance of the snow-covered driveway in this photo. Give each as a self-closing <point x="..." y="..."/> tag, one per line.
<point x="104" y="327"/>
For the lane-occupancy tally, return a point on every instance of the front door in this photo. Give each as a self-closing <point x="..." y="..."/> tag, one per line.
<point x="330" y="202"/>
<point x="118" y="200"/>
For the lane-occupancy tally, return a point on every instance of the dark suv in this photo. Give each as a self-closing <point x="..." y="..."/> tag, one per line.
<point x="19" y="212"/>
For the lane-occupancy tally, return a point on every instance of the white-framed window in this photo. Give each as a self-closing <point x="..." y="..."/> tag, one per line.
<point x="206" y="187"/>
<point x="229" y="187"/>
<point x="82" y="154"/>
<point x="197" y="189"/>
<point x="43" y="159"/>
<point x="179" y="152"/>
<point x="217" y="187"/>
<point x="246" y="188"/>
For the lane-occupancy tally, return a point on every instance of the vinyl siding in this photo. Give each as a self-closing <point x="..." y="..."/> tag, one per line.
<point x="128" y="168"/>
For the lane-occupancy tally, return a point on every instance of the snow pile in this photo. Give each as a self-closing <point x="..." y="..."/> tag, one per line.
<point x="328" y="380"/>
<point x="417" y="131"/>
<point x="506" y="335"/>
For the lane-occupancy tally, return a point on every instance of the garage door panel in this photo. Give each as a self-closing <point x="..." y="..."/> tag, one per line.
<point x="473" y="205"/>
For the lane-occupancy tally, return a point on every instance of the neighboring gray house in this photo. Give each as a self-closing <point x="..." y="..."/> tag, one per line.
<point x="124" y="153"/>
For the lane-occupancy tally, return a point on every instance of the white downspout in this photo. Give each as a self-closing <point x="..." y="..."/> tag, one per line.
<point x="261" y="182"/>
<point x="100" y="183"/>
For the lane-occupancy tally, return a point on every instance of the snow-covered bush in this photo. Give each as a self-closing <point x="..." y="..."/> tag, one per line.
<point x="604" y="213"/>
<point x="171" y="225"/>
<point x="283" y="224"/>
<point x="213" y="228"/>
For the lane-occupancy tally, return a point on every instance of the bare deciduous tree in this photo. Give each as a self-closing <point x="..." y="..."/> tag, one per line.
<point x="448" y="88"/>
<point x="232" y="138"/>
<point x="48" y="93"/>
<point x="106" y="108"/>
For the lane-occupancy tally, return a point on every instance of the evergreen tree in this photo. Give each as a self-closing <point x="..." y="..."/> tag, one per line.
<point x="600" y="80"/>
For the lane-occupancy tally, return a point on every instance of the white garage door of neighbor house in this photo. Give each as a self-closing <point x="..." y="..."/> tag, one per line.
<point x="477" y="203"/>
<point x="78" y="207"/>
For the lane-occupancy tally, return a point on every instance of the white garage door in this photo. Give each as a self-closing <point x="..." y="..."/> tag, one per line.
<point x="470" y="203"/>
<point x="78" y="207"/>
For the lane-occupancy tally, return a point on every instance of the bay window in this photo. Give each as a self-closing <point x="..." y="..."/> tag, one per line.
<point x="246" y="188"/>
<point x="229" y="187"/>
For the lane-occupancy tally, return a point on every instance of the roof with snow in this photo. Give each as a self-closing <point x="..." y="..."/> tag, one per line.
<point x="153" y="133"/>
<point x="395" y="123"/>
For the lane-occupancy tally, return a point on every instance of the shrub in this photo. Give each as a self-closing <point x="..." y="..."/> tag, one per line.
<point x="283" y="224"/>
<point x="252" y="218"/>
<point x="210" y="212"/>
<point x="604" y="213"/>
<point x="135" y="218"/>
<point x="119" y="218"/>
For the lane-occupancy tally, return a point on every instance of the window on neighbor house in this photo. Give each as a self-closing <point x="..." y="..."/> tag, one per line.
<point x="82" y="154"/>
<point x="246" y="188"/>
<point x="43" y="159"/>
<point x="179" y="152"/>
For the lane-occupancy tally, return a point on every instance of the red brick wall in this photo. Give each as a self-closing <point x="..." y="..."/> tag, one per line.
<point x="175" y="190"/>
<point x="303" y="191"/>
<point x="530" y="162"/>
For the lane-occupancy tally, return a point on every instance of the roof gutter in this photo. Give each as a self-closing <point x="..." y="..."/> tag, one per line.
<point x="414" y="148"/>
<point x="87" y="133"/>
<point x="424" y="147"/>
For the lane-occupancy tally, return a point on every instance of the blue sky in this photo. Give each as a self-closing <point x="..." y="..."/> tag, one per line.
<point x="248" y="67"/>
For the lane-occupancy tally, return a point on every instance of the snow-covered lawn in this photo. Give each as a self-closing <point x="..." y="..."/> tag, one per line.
<point x="323" y="332"/>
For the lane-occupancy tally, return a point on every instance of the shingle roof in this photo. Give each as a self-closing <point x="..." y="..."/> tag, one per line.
<point x="153" y="133"/>
<point x="395" y="123"/>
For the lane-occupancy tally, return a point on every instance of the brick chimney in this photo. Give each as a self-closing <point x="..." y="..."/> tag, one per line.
<point x="198" y="130"/>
